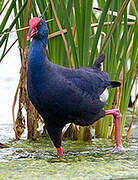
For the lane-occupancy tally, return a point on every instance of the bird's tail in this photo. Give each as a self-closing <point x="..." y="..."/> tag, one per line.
<point x="114" y="84"/>
<point x="98" y="61"/>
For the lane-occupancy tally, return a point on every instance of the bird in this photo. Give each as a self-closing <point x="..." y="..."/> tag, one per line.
<point x="63" y="95"/>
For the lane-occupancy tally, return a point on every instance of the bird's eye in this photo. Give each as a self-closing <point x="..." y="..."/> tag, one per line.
<point x="40" y="24"/>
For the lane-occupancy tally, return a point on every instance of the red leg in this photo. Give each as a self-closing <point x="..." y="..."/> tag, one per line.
<point x="59" y="152"/>
<point x="117" y="116"/>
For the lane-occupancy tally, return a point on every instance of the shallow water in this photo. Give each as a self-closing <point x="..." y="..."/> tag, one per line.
<point x="37" y="160"/>
<point x="95" y="159"/>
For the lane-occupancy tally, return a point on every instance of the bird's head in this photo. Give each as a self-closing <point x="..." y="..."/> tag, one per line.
<point x="37" y="29"/>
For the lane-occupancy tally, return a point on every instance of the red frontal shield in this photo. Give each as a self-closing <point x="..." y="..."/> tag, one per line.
<point x="32" y="25"/>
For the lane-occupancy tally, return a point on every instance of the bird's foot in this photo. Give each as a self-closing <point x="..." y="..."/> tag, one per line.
<point x="59" y="152"/>
<point x="119" y="148"/>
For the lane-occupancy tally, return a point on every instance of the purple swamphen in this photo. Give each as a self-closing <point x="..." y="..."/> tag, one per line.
<point x="63" y="95"/>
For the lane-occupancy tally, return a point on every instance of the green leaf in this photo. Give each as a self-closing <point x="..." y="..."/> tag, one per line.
<point x="98" y="32"/>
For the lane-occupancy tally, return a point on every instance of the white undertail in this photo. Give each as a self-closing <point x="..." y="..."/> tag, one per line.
<point x="104" y="96"/>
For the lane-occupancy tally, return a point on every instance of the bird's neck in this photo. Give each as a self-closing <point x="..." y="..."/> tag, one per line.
<point x="37" y="54"/>
<point x="39" y="66"/>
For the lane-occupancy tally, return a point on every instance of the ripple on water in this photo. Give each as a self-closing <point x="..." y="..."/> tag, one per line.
<point x="95" y="159"/>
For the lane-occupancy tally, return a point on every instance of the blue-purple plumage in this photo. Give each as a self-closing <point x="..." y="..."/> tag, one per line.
<point x="62" y="95"/>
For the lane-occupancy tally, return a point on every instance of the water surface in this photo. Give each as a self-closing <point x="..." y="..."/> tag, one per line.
<point x="95" y="159"/>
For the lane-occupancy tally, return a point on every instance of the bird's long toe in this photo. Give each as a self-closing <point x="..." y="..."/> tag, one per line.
<point x="60" y="152"/>
<point x="119" y="148"/>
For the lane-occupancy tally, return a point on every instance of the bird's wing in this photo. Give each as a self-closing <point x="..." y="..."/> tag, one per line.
<point x="96" y="65"/>
<point x="98" y="61"/>
<point x="90" y="83"/>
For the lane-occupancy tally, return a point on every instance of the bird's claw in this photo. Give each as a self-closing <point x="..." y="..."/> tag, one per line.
<point x="119" y="148"/>
<point x="59" y="152"/>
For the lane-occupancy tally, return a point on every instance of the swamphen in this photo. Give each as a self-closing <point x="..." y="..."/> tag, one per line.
<point x="63" y="95"/>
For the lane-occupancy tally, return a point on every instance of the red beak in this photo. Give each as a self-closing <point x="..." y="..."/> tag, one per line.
<point x="32" y="27"/>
